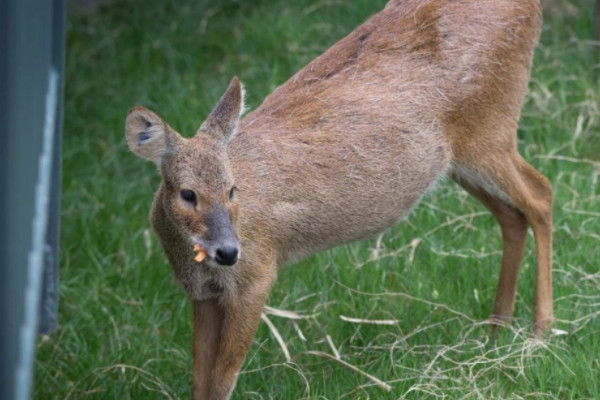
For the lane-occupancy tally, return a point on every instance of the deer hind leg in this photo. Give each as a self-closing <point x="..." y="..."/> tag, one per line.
<point x="518" y="196"/>
<point x="513" y="226"/>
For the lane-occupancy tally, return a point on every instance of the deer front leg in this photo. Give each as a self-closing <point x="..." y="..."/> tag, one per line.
<point x="223" y="332"/>
<point x="208" y="319"/>
<point x="239" y="327"/>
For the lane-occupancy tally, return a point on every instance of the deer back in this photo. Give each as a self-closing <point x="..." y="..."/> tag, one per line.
<point x="350" y="143"/>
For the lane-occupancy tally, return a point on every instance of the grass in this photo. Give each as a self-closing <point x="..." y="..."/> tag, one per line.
<point x="126" y="326"/>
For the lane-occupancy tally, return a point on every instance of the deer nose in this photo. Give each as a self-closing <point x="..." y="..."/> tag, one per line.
<point x="226" y="255"/>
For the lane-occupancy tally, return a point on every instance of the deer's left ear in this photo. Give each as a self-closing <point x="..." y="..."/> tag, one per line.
<point x="149" y="136"/>
<point x="223" y="120"/>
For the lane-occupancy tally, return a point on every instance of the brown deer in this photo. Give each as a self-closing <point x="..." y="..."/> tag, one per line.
<point x="341" y="151"/>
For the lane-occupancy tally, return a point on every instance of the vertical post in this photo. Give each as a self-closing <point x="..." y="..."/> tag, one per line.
<point x="32" y="48"/>
<point x="48" y="317"/>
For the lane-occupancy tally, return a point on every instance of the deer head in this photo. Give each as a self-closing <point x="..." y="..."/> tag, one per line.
<point x="197" y="199"/>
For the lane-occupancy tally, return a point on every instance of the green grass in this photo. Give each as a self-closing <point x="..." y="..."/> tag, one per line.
<point x="126" y="326"/>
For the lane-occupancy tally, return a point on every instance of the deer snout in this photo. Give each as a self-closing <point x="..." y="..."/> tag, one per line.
<point x="226" y="255"/>
<point x="220" y="253"/>
<point x="220" y="241"/>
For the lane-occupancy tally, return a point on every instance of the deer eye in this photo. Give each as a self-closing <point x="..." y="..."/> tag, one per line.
<point x="189" y="196"/>
<point x="232" y="193"/>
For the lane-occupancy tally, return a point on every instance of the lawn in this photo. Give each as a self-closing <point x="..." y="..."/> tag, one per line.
<point x="125" y="324"/>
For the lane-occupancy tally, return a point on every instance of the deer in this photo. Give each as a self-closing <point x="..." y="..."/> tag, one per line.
<point x="344" y="149"/>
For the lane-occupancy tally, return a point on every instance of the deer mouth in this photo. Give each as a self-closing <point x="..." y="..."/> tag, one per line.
<point x="215" y="254"/>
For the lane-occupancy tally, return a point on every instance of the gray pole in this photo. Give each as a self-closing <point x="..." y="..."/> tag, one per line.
<point x="31" y="65"/>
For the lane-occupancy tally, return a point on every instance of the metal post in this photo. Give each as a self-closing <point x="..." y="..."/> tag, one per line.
<point x="31" y="65"/>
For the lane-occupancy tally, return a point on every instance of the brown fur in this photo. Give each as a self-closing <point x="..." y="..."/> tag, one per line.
<point x="346" y="148"/>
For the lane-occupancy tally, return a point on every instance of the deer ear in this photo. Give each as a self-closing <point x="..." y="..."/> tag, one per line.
<point x="223" y="119"/>
<point x="149" y="137"/>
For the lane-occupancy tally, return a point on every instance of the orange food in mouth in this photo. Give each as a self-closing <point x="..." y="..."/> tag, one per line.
<point x="201" y="253"/>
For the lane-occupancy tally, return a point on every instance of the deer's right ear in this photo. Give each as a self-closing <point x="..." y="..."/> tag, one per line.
<point x="149" y="136"/>
<point x="223" y="120"/>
